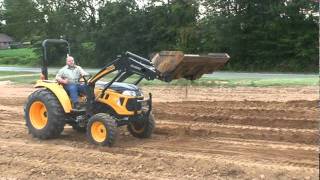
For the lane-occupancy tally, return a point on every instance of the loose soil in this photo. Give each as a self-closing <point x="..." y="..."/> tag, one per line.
<point x="206" y="133"/>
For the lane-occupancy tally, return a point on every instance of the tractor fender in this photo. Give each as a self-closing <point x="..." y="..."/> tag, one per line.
<point x="58" y="91"/>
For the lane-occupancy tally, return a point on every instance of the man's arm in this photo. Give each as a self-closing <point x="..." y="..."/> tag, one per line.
<point x="59" y="77"/>
<point x="82" y="72"/>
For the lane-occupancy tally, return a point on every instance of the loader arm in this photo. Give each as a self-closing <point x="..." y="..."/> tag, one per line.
<point x="126" y="65"/>
<point x="165" y="66"/>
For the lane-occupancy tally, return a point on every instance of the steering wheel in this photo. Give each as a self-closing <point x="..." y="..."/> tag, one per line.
<point x="85" y="78"/>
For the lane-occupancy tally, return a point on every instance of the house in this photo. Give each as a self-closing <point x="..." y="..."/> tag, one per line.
<point x="5" y="41"/>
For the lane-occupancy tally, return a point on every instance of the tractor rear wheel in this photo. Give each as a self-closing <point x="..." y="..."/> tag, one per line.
<point x="102" y="130"/>
<point x="44" y="115"/>
<point x="142" y="129"/>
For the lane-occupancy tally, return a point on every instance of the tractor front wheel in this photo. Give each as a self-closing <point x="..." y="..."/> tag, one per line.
<point x="143" y="128"/>
<point x="102" y="130"/>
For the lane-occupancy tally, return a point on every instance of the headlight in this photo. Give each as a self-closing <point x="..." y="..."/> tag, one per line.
<point x="129" y="93"/>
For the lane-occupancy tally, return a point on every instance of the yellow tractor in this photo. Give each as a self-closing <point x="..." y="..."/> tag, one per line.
<point x="108" y="105"/>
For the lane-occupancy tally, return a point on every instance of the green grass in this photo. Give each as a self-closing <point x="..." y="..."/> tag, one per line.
<point x="204" y="81"/>
<point x="17" y="52"/>
<point x="263" y="82"/>
<point x="231" y="82"/>
<point x="9" y="73"/>
<point x="23" y="80"/>
<point x="10" y="76"/>
<point x="23" y="56"/>
<point x="283" y="82"/>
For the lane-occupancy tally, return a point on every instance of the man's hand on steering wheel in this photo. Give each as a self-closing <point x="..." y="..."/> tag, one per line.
<point x="85" y="78"/>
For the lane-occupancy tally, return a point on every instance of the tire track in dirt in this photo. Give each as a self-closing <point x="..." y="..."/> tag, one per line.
<point x="193" y="140"/>
<point x="245" y="120"/>
<point x="259" y="105"/>
<point x="233" y="131"/>
<point x="241" y="155"/>
<point x="237" y="111"/>
<point x="172" y="152"/>
<point x="294" y="114"/>
<point x="278" y="122"/>
<point x="279" y="129"/>
<point x="10" y="101"/>
<point x="67" y="162"/>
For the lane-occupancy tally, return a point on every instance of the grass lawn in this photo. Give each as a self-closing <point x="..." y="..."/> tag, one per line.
<point x="9" y="73"/>
<point x="30" y="78"/>
<point x="23" y="52"/>
<point x="19" y="77"/>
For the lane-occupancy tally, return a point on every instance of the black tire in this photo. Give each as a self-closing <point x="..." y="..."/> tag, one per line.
<point x="107" y="128"/>
<point x="54" y="114"/>
<point x="142" y="129"/>
<point x="79" y="129"/>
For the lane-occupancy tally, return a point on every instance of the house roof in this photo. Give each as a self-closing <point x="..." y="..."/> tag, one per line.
<point x="5" y="38"/>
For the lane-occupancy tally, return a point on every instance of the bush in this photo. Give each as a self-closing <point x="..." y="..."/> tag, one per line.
<point x="9" y="60"/>
<point x="23" y="56"/>
<point x="16" y="45"/>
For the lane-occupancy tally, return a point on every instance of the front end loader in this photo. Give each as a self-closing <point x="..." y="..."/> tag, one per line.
<point x="108" y="105"/>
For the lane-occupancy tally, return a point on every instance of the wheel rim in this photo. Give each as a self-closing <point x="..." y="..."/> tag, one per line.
<point x="38" y="115"/>
<point x="138" y="127"/>
<point x="99" y="131"/>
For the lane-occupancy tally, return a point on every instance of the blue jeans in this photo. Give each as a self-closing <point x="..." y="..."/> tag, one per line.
<point x="74" y="90"/>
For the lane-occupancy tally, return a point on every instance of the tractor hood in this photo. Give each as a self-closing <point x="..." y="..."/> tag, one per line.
<point x="118" y="86"/>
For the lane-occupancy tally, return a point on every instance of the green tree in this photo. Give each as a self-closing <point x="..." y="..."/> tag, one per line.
<point x="173" y="25"/>
<point x="278" y="35"/>
<point x="22" y="18"/>
<point x="74" y="20"/>
<point x="155" y="27"/>
<point x="120" y="29"/>
<point x="262" y="35"/>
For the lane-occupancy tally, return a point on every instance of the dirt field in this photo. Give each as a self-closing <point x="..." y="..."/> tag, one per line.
<point x="214" y="133"/>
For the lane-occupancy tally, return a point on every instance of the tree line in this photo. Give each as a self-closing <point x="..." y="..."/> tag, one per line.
<point x="269" y="35"/>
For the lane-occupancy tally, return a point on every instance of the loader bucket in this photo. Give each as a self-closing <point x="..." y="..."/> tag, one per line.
<point x="175" y="65"/>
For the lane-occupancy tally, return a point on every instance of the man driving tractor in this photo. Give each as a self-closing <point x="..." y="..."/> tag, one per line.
<point x="112" y="104"/>
<point x="69" y="76"/>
